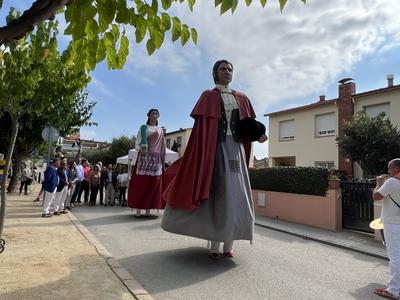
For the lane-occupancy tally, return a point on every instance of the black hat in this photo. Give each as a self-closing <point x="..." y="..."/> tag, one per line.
<point x="250" y="129"/>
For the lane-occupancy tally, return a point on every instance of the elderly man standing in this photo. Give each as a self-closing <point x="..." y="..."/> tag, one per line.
<point x="388" y="190"/>
<point x="50" y="183"/>
<point x="62" y="188"/>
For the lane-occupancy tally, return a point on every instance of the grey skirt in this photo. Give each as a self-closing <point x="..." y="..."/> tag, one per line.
<point x="228" y="214"/>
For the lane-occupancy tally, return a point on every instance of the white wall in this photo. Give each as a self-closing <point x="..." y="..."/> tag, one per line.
<point x="306" y="147"/>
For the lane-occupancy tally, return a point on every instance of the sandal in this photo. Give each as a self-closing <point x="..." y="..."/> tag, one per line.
<point x="214" y="255"/>
<point x="229" y="254"/>
<point x="385" y="294"/>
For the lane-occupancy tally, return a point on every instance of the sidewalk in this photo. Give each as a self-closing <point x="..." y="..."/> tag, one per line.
<point x="354" y="241"/>
<point x="57" y="258"/>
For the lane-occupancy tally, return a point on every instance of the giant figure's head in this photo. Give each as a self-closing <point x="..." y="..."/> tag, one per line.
<point x="152" y="116"/>
<point x="222" y="72"/>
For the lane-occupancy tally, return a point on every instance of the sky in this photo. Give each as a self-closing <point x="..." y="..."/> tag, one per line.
<point x="281" y="60"/>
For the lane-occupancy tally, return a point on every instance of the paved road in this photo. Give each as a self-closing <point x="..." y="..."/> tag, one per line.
<point x="277" y="266"/>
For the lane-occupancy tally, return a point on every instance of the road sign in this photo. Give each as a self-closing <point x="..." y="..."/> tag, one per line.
<point x="50" y="134"/>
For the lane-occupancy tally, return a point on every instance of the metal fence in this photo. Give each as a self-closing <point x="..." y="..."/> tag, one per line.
<point x="357" y="205"/>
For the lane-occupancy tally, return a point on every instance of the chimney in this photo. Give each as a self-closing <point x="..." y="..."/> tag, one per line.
<point x="390" y="79"/>
<point x="347" y="88"/>
<point x="322" y="98"/>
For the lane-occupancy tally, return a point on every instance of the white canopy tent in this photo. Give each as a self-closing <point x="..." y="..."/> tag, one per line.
<point x="123" y="160"/>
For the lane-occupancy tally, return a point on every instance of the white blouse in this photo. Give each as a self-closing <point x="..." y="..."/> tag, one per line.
<point x="150" y="130"/>
<point x="229" y="104"/>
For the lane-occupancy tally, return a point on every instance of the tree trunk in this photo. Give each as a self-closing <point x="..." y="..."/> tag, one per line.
<point x="16" y="168"/>
<point x="15" y="125"/>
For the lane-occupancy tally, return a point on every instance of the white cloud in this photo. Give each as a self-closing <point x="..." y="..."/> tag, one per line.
<point x="278" y="56"/>
<point x="170" y="58"/>
<point x="284" y="56"/>
<point x="100" y="87"/>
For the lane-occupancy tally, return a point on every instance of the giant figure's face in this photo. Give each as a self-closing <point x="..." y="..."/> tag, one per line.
<point x="153" y="116"/>
<point x="224" y="74"/>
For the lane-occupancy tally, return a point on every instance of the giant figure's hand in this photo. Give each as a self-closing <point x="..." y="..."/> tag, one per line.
<point x="262" y="138"/>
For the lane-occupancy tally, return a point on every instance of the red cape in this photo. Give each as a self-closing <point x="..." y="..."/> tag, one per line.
<point x="191" y="175"/>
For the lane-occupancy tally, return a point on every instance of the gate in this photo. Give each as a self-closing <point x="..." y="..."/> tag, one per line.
<point x="357" y="205"/>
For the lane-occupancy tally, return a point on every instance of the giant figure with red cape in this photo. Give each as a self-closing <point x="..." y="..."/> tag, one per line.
<point x="209" y="196"/>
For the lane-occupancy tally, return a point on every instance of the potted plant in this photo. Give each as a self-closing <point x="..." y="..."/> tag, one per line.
<point x="334" y="182"/>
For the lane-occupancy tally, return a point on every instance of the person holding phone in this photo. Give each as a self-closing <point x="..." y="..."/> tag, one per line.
<point x="388" y="190"/>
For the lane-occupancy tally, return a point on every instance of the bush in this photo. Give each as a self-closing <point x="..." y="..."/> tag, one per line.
<point x="299" y="180"/>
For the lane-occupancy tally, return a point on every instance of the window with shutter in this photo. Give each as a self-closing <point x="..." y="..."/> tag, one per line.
<point x="374" y="110"/>
<point x="286" y="130"/>
<point x="325" y="125"/>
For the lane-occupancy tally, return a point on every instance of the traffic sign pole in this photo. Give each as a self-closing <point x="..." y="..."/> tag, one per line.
<point x="48" y="146"/>
<point x="50" y="135"/>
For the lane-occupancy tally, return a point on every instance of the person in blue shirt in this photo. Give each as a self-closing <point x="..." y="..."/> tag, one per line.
<point x="50" y="183"/>
<point x="62" y="188"/>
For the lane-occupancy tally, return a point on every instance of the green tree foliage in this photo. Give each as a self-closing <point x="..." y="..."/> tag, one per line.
<point x="66" y="116"/>
<point x="95" y="155"/>
<point x="119" y="147"/>
<point x="371" y="142"/>
<point x="98" y="28"/>
<point x="36" y="84"/>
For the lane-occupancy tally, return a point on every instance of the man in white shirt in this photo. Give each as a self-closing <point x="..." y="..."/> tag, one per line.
<point x="388" y="190"/>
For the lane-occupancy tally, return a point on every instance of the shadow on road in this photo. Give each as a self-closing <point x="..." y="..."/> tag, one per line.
<point x="175" y="268"/>
<point x="366" y="292"/>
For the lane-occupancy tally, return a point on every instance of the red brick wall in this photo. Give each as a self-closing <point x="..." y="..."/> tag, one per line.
<point x="346" y="112"/>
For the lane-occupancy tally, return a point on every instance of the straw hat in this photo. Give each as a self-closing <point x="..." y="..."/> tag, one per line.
<point x="376" y="224"/>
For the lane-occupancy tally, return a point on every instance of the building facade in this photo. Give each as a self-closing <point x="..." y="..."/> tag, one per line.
<point x="306" y="135"/>
<point x="72" y="143"/>
<point x="177" y="140"/>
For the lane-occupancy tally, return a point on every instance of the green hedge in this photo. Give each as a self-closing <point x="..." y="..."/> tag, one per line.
<point x="299" y="180"/>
